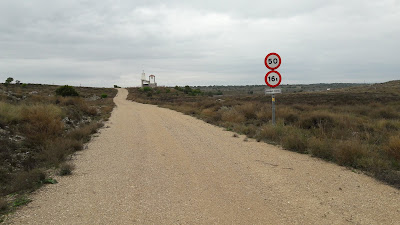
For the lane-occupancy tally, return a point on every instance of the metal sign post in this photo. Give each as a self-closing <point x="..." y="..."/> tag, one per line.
<point x="273" y="110"/>
<point x="273" y="78"/>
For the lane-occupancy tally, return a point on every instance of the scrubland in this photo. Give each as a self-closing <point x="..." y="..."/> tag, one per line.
<point x="39" y="131"/>
<point x="356" y="127"/>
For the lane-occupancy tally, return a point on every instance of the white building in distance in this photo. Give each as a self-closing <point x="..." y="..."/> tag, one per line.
<point x="151" y="82"/>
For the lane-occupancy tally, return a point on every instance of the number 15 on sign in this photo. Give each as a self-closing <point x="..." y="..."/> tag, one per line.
<point x="273" y="78"/>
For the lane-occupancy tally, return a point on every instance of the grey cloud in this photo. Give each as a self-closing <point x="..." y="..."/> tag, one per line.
<point x="199" y="42"/>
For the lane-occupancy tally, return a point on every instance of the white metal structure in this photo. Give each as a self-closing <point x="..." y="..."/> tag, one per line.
<point x="151" y="82"/>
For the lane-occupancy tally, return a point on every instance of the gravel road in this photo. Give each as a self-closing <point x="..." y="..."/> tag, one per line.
<point x="156" y="166"/>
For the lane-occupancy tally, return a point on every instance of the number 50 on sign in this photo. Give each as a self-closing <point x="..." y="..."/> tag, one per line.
<point x="272" y="61"/>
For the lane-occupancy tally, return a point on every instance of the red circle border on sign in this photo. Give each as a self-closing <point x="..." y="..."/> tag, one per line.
<point x="266" y="64"/>
<point x="280" y="79"/>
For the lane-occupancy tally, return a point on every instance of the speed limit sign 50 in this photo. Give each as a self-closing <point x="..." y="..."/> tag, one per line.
<point x="273" y="78"/>
<point x="272" y="61"/>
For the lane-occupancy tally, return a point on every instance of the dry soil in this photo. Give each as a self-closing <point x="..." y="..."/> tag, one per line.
<point x="156" y="166"/>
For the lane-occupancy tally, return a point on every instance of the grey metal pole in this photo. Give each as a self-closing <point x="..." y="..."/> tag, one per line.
<point x="273" y="110"/>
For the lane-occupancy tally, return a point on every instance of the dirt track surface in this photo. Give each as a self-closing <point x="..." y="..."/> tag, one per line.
<point x="157" y="166"/>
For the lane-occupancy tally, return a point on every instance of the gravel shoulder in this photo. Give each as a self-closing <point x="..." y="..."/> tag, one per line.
<point x="157" y="166"/>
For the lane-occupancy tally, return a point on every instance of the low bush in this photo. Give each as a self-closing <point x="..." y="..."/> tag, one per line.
<point x="3" y="204"/>
<point x="347" y="153"/>
<point x="56" y="151"/>
<point x="264" y="114"/>
<point x="232" y="115"/>
<point x="323" y="120"/>
<point x="9" y="113"/>
<point x="26" y="180"/>
<point x="321" y="148"/>
<point x="104" y="95"/>
<point x="66" y="169"/>
<point x="66" y="91"/>
<point x="295" y="140"/>
<point x="393" y="147"/>
<point x="248" y="110"/>
<point x="270" y="133"/>
<point x="147" y="89"/>
<point x="42" y="122"/>
<point x="83" y="133"/>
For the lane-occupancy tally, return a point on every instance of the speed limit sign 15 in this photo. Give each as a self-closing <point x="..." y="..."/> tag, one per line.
<point x="272" y="61"/>
<point x="273" y="78"/>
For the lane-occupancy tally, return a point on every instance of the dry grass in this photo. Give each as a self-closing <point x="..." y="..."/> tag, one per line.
<point x="9" y="113"/>
<point x="40" y="130"/>
<point x="393" y="147"/>
<point x="83" y="133"/>
<point x="232" y="115"/>
<point x="357" y="127"/>
<point x="26" y="180"/>
<point x="42" y="122"/>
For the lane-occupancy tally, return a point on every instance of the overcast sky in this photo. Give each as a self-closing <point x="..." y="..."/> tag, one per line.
<point x="106" y="42"/>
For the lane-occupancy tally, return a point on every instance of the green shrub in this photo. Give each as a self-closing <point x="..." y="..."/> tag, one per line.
<point x="24" y="85"/>
<point x="66" y="91"/>
<point x="179" y="88"/>
<point x="147" y="89"/>
<point x="104" y="95"/>
<point x="21" y="200"/>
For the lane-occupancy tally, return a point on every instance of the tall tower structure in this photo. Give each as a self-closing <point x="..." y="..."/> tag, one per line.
<point x="143" y="75"/>
<point x="144" y="81"/>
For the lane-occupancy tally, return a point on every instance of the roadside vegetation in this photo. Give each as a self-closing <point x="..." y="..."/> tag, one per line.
<point x="357" y="127"/>
<point x="40" y="127"/>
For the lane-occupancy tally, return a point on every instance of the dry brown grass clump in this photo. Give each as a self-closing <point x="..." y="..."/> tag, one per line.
<point x="9" y="113"/>
<point x="393" y="147"/>
<point x="42" y="122"/>
<point x="25" y="180"/>
<point x="232" y="115"/>
<point x="320" y="147"/>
